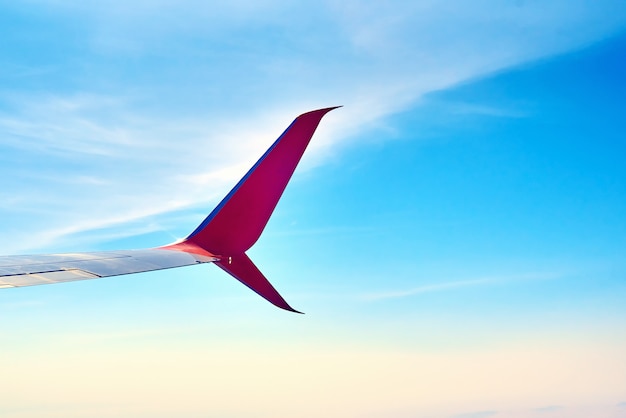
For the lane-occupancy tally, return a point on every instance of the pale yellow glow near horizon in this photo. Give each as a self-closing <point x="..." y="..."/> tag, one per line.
<point x="162" y="379"/>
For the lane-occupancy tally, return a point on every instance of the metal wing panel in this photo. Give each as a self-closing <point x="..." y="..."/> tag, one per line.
<point x="18" y="271"/>
<point x="20" y="260"/>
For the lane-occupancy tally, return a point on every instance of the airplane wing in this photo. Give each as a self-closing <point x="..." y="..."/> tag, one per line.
<point x="29" y="270"/>
<point x="222" y="238"/>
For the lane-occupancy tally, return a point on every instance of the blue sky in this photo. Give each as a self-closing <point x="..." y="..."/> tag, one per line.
<point x="455" y="234"/>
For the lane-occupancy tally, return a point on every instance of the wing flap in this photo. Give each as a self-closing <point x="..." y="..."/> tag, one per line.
<point x="32" y="279"/>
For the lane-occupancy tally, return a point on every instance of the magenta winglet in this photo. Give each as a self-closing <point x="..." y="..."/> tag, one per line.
<point x="238" y="221"/>
<point x="243" y="269"/>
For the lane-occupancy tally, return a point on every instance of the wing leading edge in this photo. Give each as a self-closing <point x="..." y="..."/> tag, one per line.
<point x="222" y="238"/>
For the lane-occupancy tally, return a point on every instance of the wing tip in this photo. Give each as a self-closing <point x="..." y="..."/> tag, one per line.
<point x="321" y="111"/>
<point x="236" y="224"/>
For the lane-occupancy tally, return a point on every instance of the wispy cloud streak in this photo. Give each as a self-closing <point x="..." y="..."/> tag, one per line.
<point x="458" y="284"/>
<point x="171" y="112"/>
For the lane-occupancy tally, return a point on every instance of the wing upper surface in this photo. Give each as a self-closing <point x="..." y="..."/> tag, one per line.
<point x="29" y="270"/>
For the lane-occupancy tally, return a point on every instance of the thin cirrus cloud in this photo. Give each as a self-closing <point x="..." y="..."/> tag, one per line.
<point x="458" y="284"/>
<point x="155" y="112"/>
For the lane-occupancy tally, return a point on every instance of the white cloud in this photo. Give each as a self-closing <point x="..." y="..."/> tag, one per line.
<point x="170" y="102"/>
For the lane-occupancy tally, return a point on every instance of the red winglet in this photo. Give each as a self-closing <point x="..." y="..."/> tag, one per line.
<point x="238" y="221"/>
